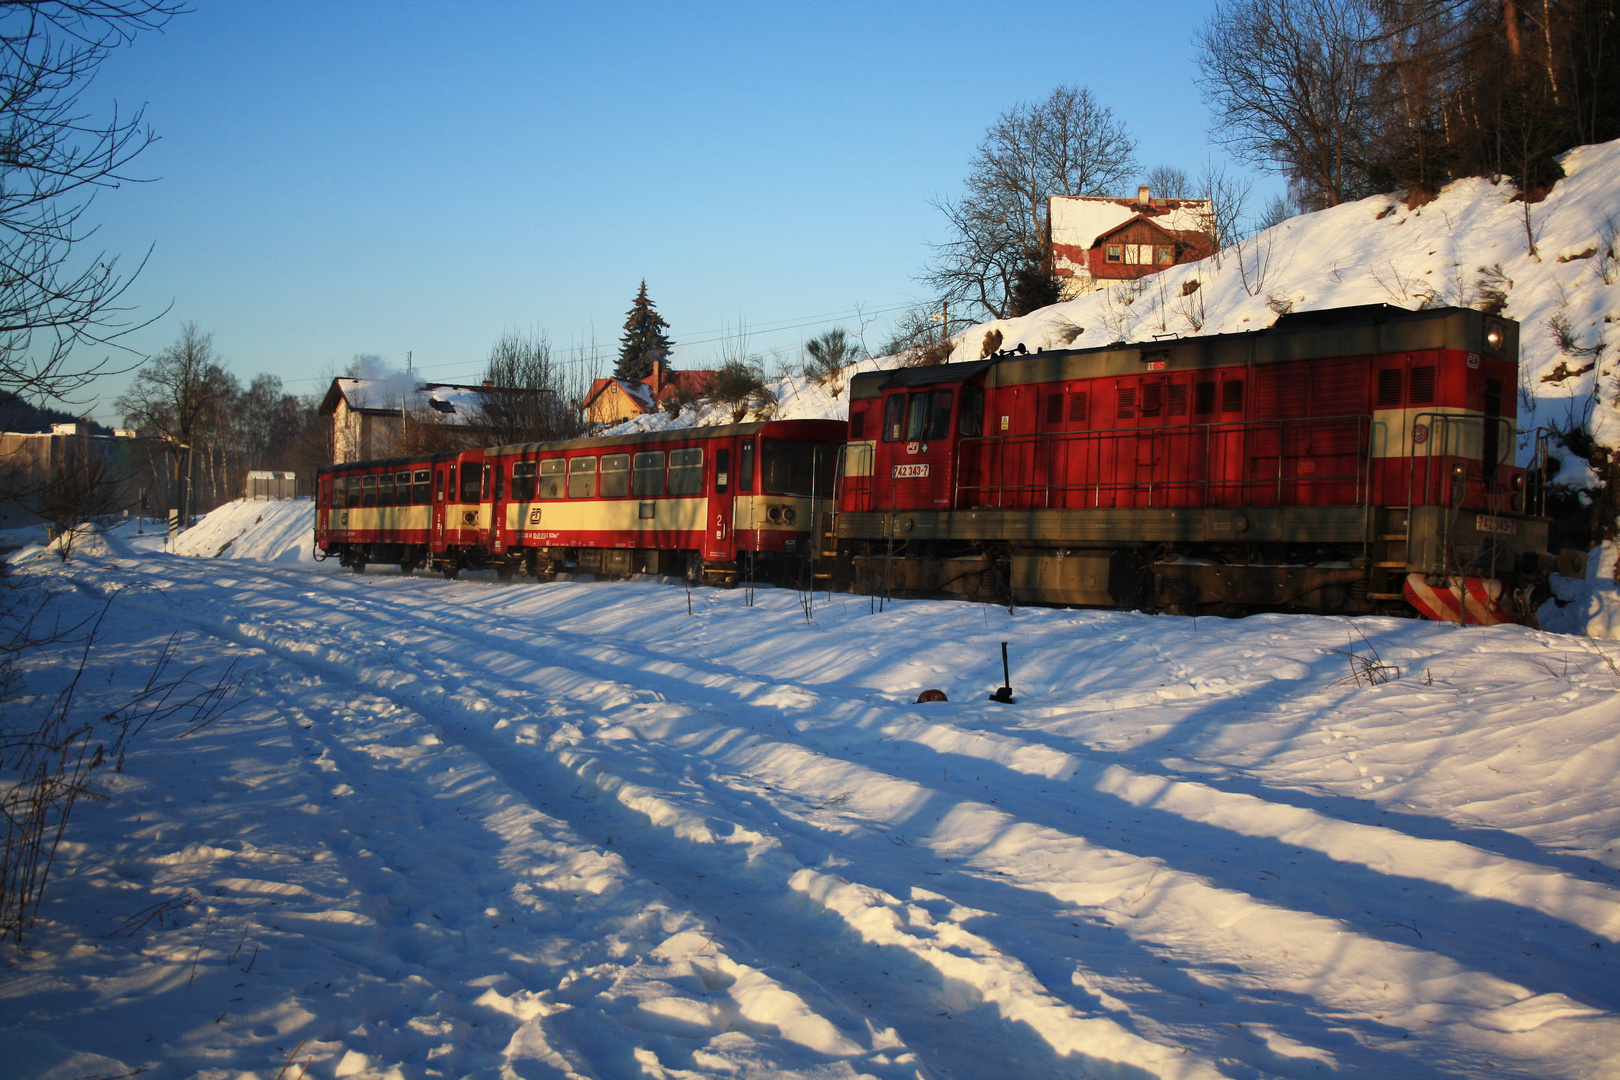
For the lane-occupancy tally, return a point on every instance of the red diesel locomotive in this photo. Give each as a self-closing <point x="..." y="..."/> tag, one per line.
<point x="711" y="503"/>
<point x="1351" y="460"/>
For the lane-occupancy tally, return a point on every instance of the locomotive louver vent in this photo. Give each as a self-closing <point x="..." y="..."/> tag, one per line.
<point x="1077" y="406"/>
<point x="1493" y="429"/>
<point x="1127" y="402"/>
<point x="857" y="425"/>
<point x="1204" y="398"/>
<point x="1232" y="396"/>
<point x="1421" y="390"/>
<point x="1152" y="399"/>
<point x="1178" y="399"/>
<point x="1389" y="388"/>
<point x="1054" y="409"/>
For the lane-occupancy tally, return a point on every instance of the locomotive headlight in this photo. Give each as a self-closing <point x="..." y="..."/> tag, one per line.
<point x="774" y="512"/>
<point x="1493" y="335"/>
<point x="1458" y="470"/>
<point x="789" y="515"/>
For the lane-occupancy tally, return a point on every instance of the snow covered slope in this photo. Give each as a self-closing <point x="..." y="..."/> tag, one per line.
<point x="464" y="829"/>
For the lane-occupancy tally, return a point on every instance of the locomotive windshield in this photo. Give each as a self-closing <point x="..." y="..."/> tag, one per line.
<point x="796" y="468"/>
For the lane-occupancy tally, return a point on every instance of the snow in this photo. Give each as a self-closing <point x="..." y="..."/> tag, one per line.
<point x="573" y="830"/>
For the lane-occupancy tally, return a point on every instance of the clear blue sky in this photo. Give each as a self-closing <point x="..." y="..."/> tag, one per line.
<point x="336" y="179"/>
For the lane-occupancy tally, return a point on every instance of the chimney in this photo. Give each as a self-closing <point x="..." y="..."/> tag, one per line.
<point x="1142" y="195"/>
<point x="657" y="376"/>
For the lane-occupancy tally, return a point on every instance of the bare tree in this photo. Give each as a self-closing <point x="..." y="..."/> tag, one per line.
<point x="1066" y="145"/>
<point x="54" y="156"/>
<point x="1291" y="86"/>
<point x="1169" y="182"/>
<point x="527" y="396"/>
<point x="185" y="395"/>
<point x="1228" y="196"/>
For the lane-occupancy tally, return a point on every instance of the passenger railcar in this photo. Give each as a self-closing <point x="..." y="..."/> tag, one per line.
<point x="710" y="503"/>
<point x="1350" y="460"/>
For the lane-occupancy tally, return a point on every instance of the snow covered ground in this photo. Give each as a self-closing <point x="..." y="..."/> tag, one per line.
<point x="610" y="830"/>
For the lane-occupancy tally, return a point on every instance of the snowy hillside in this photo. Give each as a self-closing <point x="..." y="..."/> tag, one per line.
<point x="600" y="830"/>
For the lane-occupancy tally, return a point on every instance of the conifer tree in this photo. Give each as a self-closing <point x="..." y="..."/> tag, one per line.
<point x="644" y="339"/>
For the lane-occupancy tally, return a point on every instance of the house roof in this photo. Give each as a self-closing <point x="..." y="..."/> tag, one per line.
<point x="639" y="393"/>
<point x="454" y="402"/>
<point x="1083" y="220"/>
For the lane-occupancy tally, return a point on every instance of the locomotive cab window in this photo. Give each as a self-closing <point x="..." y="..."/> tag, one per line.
<point x="470" y="479"/>
<point x="971" y="422"/>
<point x="894" y="417"/>
<point x="647" y="477"/>
<point x="686" y="471"/>
<point x="615" y="481"/>
<point x="420" y="494"/>
<point x="795" y="468"/>
<point x="939" y="423"/>
<point x="917" y="417"/>
<point x="581" y="477"/>
<point x="551" y="478"/>
<point x="523" y="476"/>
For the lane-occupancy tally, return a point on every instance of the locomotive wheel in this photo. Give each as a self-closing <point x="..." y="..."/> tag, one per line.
<point x="450" y="570"/>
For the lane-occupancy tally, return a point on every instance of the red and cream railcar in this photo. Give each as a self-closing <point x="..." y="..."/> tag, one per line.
<point x="711" y="503"/>
<point x="376" y="511"/>
<point x="1339" y="460"/>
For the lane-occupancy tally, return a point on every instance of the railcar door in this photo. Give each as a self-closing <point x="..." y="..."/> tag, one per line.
<point x="719" y="542"/>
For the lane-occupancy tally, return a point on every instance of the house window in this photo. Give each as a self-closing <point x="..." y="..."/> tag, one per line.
<point x="1164" y="255"/>
<point x="1116" y="253"/>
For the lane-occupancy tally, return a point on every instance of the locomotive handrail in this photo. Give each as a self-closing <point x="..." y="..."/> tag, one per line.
<point x="1043" y="447"/>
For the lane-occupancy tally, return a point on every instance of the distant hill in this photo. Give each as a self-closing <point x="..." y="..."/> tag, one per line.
<point x="18" y="416"/>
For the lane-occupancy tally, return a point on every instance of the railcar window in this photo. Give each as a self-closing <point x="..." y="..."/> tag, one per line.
<point x="795" y="468"/>
<point x="686" y="471"/>
<point x="354" y="492"/>
<point x="420" y="493"/>
<point x="971" y="422"/>
<point x="368" y="491"/>
<point x="939" y="427"/>
<point x="745" y="464"/>
<point x="894" y="417"/>
<point x="615" y="482"/>
<point x="471" y="477"/>
<point x="722" y="470"/>
<point x="551" y="478"/>
<point x="917" y="417"/>
<point x="647" y="477"/>
<point x="334" y="492"/>
<point x="402" y="489"/>
<point x="1204" y="399"/>
<point x="523" y="480"/>
<point x="581" y="477"/>
<point x="385" y="489"/>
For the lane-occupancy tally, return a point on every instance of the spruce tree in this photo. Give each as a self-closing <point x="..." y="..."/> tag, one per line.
<point x="644" y="339"/>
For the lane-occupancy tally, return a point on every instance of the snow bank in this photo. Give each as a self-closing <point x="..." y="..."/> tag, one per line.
<point x="280" y="531"/>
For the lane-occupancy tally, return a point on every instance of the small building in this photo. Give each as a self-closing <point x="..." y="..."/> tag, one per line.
<point x="70" y="472"/>
<point x="373" y="418"/>
<point x="612" y="399"/>
<point x="1098" y="240"/>
<point x="264" y="484"/>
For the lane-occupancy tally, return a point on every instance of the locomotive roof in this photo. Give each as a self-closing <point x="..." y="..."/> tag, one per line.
<point x="1362" y="330"/>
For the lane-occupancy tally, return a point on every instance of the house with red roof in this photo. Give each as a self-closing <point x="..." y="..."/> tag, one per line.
<point x="1097" y="240"/>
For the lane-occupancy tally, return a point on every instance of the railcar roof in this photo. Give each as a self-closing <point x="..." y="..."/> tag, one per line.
<point x="667" y="435"/>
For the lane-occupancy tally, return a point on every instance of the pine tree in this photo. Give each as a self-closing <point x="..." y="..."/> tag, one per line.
<point x="644" y="339"/>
